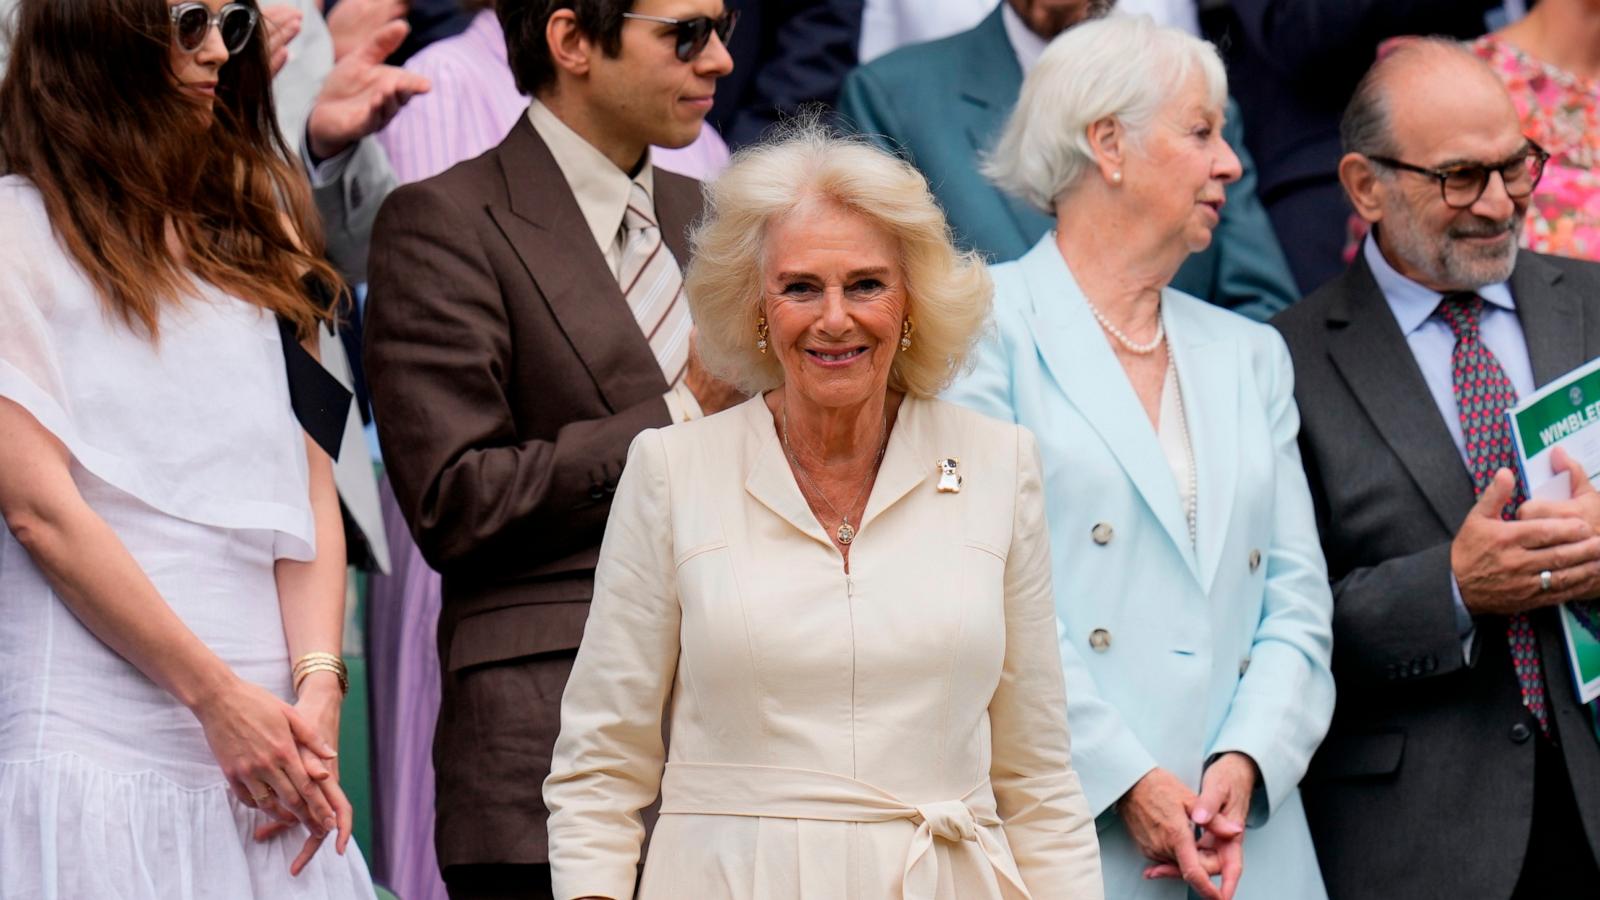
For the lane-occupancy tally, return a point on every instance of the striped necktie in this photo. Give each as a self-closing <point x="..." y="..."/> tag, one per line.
<point x="1483" y="393"/>
<point x="650" y="280"/>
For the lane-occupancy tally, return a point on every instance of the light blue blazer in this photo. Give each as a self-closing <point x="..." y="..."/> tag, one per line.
<point x="1173" y="653"/>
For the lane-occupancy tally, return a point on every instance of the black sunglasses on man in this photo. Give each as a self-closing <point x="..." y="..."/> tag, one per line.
<point x="693" y="34"/>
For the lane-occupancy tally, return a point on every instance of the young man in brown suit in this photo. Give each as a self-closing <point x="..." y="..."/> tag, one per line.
<point x="525" y="322"/>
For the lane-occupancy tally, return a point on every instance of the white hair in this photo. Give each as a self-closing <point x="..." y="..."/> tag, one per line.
<point x="1122" y="67"/>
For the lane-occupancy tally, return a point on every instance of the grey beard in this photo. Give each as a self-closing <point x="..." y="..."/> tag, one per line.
<point x="1448" y="263"/>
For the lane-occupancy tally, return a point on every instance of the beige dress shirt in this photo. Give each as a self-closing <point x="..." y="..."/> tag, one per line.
<point x="895" y="732"/>
<point x="602" y="192"/>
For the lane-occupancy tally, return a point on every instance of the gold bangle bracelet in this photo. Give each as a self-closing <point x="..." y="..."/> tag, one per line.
<point x="321" y="662"/>
<point x="318" y="656"/>
<point x="344" y="683"/>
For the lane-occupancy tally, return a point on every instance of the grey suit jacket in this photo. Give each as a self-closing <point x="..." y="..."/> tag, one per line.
<point x="943" y="104"/>
<point x="1424" y="786"/>
<point x="349" y="202"/>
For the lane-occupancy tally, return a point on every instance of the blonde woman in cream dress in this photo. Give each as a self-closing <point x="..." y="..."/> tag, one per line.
<point x="835" y="597"/>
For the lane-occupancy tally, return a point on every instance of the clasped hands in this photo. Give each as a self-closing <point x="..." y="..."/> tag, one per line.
<point x="281" y="759"/>
<point x="1162" y="816"/>
<point x="1497" y="563"/>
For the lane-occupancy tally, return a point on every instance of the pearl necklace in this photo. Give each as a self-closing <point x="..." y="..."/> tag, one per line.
<point x="1191" y="506"/>
<point x="1123" y="339"/>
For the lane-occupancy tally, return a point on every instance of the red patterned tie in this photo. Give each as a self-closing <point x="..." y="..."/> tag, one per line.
<point x="1483" y="394"/>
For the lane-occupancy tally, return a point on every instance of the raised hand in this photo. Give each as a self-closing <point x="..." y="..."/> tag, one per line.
<point x="282" y="23"/>
<point x="361" y="94"/>
<point x="353" y="22"/>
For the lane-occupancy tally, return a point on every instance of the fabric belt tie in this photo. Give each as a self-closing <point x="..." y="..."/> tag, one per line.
<point x="710" y="789"/>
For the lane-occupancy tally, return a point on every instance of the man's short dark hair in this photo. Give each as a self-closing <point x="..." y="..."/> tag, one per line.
<point x="524" y="24"/>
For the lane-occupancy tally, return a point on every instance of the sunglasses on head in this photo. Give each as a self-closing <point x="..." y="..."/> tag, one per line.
<point x="693" y="34"/>
<point x="191" y="22"/>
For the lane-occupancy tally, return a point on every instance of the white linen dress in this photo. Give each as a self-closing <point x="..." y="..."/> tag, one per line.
<point x="897" y="732"/>
<point x="189" y="450"/>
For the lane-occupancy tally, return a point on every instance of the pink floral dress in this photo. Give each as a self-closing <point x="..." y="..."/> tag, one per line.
<point x="1561" y="112"/>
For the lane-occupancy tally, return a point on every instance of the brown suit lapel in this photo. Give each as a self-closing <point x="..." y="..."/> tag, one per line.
<point x="545" y="227"/>
<point x="678" y="205"/>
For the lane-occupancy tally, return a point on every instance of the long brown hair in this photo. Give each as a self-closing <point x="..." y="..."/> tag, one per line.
<point x="91" y="114"/>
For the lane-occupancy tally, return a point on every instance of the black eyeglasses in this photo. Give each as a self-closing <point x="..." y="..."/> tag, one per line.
<point x="191" y="22"/>
<point x="1461" y="186"/>
<point x="694" y="34"/>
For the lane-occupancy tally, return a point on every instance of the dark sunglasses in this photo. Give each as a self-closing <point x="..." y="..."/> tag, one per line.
<point x="191" y="22"/>
<point x="1461" y="186"/>
<point x="694" y="34"/>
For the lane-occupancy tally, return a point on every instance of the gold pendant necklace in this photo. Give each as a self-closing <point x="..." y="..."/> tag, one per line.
<point x="846" y="532"/>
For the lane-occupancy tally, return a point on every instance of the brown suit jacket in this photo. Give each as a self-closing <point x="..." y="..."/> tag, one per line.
<point x="508" y="377"/>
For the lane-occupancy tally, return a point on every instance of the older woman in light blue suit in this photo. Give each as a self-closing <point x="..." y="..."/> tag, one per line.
<point x="1191" y="591"/>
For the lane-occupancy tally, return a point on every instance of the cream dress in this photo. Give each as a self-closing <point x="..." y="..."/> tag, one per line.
<point x="189" y="451"/>
<point x="895" y="732"/>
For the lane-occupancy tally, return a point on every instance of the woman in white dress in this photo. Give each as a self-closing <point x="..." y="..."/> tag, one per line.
<point x="172" y="536"/>
<point x="837" y="593"/>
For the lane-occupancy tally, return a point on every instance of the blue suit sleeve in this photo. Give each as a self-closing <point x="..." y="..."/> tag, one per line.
<point x="1108" y="756"/>
<point x="1284" y="702"/>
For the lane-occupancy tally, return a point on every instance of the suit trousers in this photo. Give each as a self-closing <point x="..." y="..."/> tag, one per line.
<point x="499" y="882"/>
<point x="1559" y="863"/>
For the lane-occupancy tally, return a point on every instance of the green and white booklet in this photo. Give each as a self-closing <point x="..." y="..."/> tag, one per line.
<point x="1564" y="413"/>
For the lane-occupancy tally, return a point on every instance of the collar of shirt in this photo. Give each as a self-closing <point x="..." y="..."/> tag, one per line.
<point x="1027" y="45"/>
<point x="601" y="189"/>
<point x="1412" y="303"/>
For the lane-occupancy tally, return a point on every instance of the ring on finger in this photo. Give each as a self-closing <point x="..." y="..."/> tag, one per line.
<point x="1544" y="580"/>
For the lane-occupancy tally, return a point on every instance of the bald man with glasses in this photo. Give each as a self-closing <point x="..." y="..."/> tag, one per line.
<point x="1460" y="762"/>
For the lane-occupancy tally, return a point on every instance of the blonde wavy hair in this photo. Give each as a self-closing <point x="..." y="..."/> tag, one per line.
<point x="948" y="292"/>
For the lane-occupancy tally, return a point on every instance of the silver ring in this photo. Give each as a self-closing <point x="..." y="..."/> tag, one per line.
<point x="1544" y="580"/>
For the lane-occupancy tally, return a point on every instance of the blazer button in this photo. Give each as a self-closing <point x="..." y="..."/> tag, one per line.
<point x="1520" y="733"/>
<point x="1244" y="666"/>
<point x="1100" y="640"/>
<point x="1417" y="667"/>
<point x="1102" y="533"/>
<point x="1255" y="560"/>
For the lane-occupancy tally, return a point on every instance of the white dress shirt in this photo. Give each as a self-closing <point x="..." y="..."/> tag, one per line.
<point x="602" y="192"/>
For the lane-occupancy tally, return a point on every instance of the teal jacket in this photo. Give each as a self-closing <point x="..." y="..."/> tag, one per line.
<point x="943" y="103"/>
